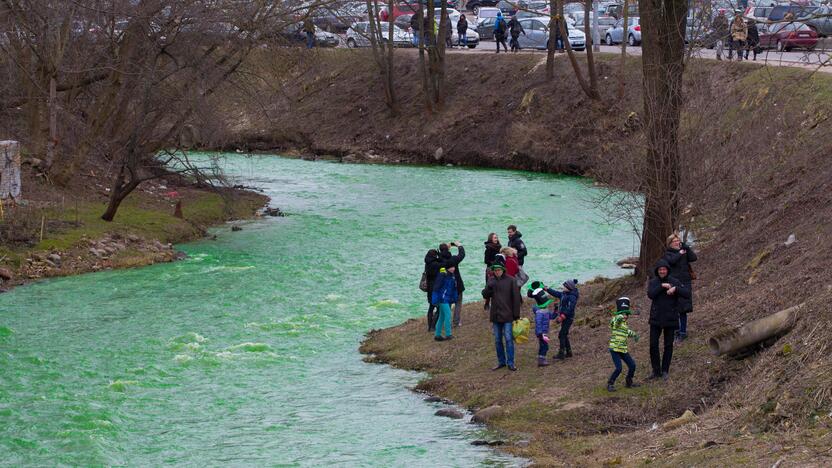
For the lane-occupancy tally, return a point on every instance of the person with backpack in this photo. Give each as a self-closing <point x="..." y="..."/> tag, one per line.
<point x="500" y="27"/>
<point x="515" y="28"/>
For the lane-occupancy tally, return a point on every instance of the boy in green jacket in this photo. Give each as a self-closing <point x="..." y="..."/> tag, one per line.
<point x="618" y="343"/>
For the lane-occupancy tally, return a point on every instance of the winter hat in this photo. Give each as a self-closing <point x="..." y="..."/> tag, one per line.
<point x="570" y="284"/>
<point x="498" y="265"/>
<point x="537" y="293"/>
<point x="501" y="259"/>
<point x="622" y="306"/>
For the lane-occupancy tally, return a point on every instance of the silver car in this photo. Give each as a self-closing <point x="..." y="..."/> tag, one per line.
<point x="615" y="34"/>
<point x="537" y="34"/>
<point x="358" y="35"/>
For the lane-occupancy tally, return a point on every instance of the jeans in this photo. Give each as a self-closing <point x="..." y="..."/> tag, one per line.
<point x="463" y="39"/>
<point x="502" y="332"/>
<point x="559" y="44"/>
<point x="616" y="361"/>
<point x="433" y="313"/>
<point x="563" y="335"/>
<point x="415" y="39"/>
<point x="444" y="320"/>
<point x="542" y="346"/>
<point x="458" y="311"/>
<point x="661" y="364"/>
<point x="738" y="46"/>
<point x="501" y="39"/>
<point x="683" y="325"/>
<point x="515" y="42"/>
<point x="310" y="40"/>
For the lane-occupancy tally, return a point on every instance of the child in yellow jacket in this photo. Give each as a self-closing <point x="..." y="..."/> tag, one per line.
<point x="620" y="334"/>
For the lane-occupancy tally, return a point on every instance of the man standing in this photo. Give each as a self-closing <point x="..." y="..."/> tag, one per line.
<point x="505" y="309"/>
<point x="462" y="31"/>
<point x="515" y="28"/>
<point x="515" y="242"/>
<point x="309" y="29"/>
<point x="720" y="31"/>
<point x="448" y="260"/>
<point x="665" y="291"/>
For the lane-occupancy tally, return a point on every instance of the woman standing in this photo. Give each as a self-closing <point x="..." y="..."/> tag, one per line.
<point x="753" y="41"/>
<point x="492" y="248"/>
<point x="665" y="291"/>
<point x="512" y="263"/>
<point x="679" y="256"/>
<point x="432" y="265"/>
<point x="739" y="33"/>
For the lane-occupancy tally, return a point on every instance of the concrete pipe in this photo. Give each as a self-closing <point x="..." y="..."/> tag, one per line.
<point x="731" y="341"/>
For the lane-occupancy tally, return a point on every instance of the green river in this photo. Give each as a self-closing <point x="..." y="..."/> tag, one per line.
<point x="245" y="353"/>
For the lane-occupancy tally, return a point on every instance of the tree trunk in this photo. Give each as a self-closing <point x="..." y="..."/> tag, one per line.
<point x="587" y="89"/>
<point x="590" y="54"/>
<point x="554" y="7"/>
<point x="663" y="53"/>
<point x="622" y="83"/>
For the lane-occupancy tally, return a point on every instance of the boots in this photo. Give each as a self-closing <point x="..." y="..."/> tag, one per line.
<point x="541" y="361"/>
<point x="561" y="354"/>
<point x="610" y="387"/>
<point x="569" y="352"/>
<point x="630" y="384"/>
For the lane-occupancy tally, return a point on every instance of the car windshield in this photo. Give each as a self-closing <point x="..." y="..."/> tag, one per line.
<point x="488" y="13"/>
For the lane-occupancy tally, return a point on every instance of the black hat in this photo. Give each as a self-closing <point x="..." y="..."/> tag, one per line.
<point x="622" y="305"/>
<point x="539" y="295"/>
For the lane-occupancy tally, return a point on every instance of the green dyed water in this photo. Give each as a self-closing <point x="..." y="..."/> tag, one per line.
<point x="246" y="352"/>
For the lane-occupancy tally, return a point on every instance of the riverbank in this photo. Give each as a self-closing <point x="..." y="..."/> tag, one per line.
<point x="59" y="232"/>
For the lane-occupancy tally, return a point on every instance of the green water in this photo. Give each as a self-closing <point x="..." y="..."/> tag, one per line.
<point x="246" y="352"/>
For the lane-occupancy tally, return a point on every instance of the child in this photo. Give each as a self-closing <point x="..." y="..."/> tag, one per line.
<point x="543" y="310"/>
<point x="444" y="294"/>
<point x="618" y="343"/>
<point x="568" y="300"/>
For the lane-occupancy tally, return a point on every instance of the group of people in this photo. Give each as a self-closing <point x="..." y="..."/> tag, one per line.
<point x="420" y="27"/>
<point x="669" y="290"/>
<point x="741" y="35"/>
<point x="514" y="28"/>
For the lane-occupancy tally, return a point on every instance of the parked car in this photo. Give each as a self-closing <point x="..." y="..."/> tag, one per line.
<point x="403" y="22"/>
<point x="509" y="8"/>
<point x="476" y="5"/>
<point x="358" y="35"/>
<point x="294" y="35"/>
<point x="800" y="12"/>
<point x="453" y="16"/>
<point x="615" y="34"/>
<point x="604" y="22"/>
<point x="787" y="36"/>
<point x="485" y="28"/>
<point x="537" y="34"/>
<point x="821" y="21"/>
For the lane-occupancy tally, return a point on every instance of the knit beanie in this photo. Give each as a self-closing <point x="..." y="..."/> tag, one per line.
<point x="570" y="284"/>
<point x="539" y="295"/>
<point x="622" y="306"/>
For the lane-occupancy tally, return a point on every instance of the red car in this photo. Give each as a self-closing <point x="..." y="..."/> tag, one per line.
<point x="787" y="36"/>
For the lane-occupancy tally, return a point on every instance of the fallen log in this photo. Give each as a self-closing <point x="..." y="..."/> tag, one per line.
<point x="736" y="339"/>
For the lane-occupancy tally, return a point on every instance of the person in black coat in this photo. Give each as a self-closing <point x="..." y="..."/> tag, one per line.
<point x="432" y="266"/>
<point x="752" y="43"/>
<point x="515" y="241"/>
<point x="505" y="309"/>
<point x="665" y="291"/>
<point x="450" y="260"/>
<point x="679" y="256"/>
<point x="492" y="249"/>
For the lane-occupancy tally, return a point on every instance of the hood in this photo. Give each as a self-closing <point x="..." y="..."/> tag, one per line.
<point x="517" y="235"/>
<point x="429" y="258"/>
<point x="492" y="245"/>
<point x="661" y="263"/>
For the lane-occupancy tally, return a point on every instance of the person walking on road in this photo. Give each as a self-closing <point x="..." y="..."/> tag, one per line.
<point x="309" y="29"/>
<point x="679" y="256"/>
<point x="515" y="28"/>
<point x="515" y="241"/>
<point x="450" y="260"/>
<point x="462" y="31"/>
<point x="752" y="44"/>
<point x="720" y="31"/>
<point x="739" y="33"/>
<point x="505" y="309"/>
<point x="492" y="249"/>
<point x="500" y="32"/>
<point x="444" y="294"/>
<point x="558" y="36"/>
<point x="432" y="266"/>
<point x="665" y="292"/>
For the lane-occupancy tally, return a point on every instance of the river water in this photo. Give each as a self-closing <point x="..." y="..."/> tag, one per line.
<point x="246" y="353"/>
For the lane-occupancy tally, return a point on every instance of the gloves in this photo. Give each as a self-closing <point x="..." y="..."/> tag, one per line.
<point x="635" y="337"/>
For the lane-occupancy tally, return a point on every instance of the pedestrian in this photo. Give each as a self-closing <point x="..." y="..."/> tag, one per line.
<point x="665" y="292"/>
<point x="448" y="30"/>
<point x="505" y="309"/>
<point x="430" y="33"/>
<point x="444" y="294"/>
<point x="620" y="333"/>
<point x="462" y="31"/>
<point x="515" y="28"/>
<point x="500" y="32"/>
<point x="568" y="301"/>
<point x="556" y="24"/>
<point x="416" y="24"/>
<point x="753" y="42"/>
<point x="309" y="29"/>
<point x="739" y="33"/>
<point x="679" y="256"/>
<point x="450" y="260"/>
<point x="511" y="263"/>
<point x="432" y="266"/>
<point x="515" y="241"/>
<point x="492" y="249"/>
<point x="720" y="31"/>
<point x="543" y="310"/>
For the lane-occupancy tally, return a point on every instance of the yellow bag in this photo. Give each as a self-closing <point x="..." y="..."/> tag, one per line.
<point x="520" y="329"/>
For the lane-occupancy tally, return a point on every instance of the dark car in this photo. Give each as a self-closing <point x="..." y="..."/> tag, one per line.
<point x="485" y="29"/>
<point x="787" y="36"/>
<point x="474" y="5"/>
<point x="508" y="8"/>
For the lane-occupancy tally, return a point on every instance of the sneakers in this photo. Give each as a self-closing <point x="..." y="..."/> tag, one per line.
<point x="498" y="367"/>
<point x="569" y="352"/>
<point x="449" y="337"/>
<point x="438" y="338"/>
<point x="654" y="376"/>
<point x="665" y="376"/>
<point x="541" y="362"/>
<point x="512" y="368"/>
<point x="610" y="387"/>
<point x="561" y="355"/>
<point x="630" y="384"/>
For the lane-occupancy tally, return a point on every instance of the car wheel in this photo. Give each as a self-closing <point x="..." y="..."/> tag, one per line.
<point x="780" y="47"/>
<point x="351" y="43"/>
<point x="608" y="39"/>
<point x="631" y="40"/>
<point x="579" y="50"/>
<point x="472" y="46"/>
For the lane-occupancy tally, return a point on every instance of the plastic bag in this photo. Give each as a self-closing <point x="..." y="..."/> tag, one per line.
<point x="520" y="329"/>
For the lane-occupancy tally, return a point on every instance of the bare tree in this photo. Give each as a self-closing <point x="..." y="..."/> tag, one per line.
<point x="383" y="51"/>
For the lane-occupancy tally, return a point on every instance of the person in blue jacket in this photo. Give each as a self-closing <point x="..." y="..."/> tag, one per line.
<point x="444" y="294"/>
<point x="568" y="301"/>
